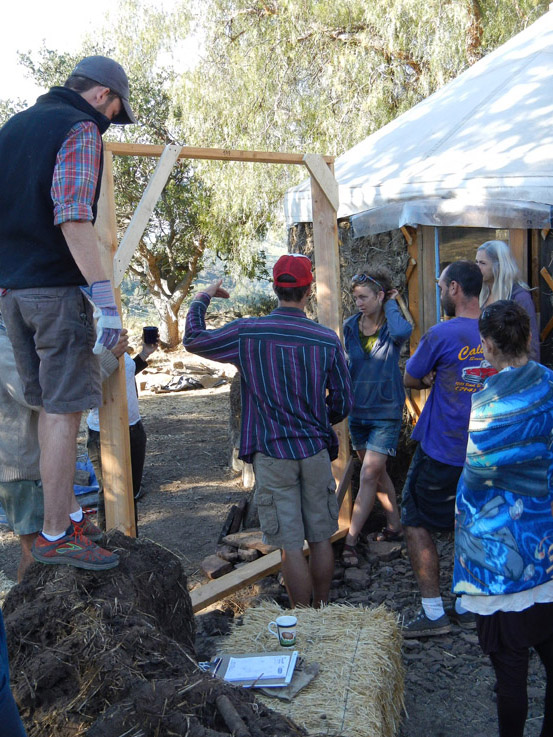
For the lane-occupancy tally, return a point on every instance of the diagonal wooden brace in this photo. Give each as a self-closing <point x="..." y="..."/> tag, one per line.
<point x="143" y="212"/>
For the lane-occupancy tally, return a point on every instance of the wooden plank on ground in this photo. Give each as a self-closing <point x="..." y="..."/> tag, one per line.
<point x="114" y="417"/>
<point x="213" y="591"/>
<point x="219" y="588"/>
<point x="143" y="212"/>
<point x="210" y="154"/>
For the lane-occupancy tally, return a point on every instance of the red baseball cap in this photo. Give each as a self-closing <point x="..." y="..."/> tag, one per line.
<point x="295" y="265"/>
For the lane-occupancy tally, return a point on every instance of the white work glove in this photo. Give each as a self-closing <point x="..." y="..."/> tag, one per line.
<point x="108" y="322"/>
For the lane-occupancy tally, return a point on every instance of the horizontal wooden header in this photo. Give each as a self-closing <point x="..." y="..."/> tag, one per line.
<point x="212" y="154"/>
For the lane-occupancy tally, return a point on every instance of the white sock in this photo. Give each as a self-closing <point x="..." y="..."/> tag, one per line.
<point x="77" y="516"/>
<point x="53" y="538"/>
<point x="433" y="608"/>
<point x="458" y="608"/>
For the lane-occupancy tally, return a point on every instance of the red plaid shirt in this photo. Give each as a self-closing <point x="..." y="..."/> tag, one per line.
<point x="76" y="173"/>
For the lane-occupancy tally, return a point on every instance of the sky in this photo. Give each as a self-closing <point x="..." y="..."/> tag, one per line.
<point x="62" y="24"/>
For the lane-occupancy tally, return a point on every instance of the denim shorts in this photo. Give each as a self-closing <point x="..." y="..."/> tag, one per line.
<point x="295" y="499"/>
<point x="382" y="436"/>
<point x="429" y="493"/>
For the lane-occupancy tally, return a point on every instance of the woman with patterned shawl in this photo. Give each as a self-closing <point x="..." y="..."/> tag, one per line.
<point x="504" y="517"/>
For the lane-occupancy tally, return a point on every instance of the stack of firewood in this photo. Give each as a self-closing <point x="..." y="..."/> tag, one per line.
<point x="236" y="546"/>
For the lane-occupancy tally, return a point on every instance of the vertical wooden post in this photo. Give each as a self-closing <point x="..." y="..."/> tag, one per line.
<point x="428" y="277"/>
<point x="422" y="295"/>
<point x="329" y="309"/>
<point x="519" y="248"/>
<point x="534" y="275"/>
<point x="114" y="418"/>
<point x="413" y="290"/>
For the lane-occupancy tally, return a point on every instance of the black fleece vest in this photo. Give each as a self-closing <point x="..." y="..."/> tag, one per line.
<point x="33" y="251"/>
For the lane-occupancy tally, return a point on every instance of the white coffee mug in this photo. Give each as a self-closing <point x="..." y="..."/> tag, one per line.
<point x="286" y="630"/>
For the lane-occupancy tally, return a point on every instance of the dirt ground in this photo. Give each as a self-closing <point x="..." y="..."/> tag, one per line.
<point x="190" y="487"/>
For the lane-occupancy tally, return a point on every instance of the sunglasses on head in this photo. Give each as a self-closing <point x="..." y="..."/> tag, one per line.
<point x="362" y="278"/>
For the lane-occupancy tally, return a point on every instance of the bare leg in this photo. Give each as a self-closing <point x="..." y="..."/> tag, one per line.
<point x="58" y="449"/>
<point x="387" y="497"/>
<point x="371" y="470"/>
<point x="26" y="559"/>
<point x="321" y="565"/>
<point x="297" y="577"/>
<point x="424" y="561"/>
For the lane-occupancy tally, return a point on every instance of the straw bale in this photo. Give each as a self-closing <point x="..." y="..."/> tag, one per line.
<point x="359" y="690"/>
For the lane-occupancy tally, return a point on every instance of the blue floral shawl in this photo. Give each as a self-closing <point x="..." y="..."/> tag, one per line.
<point x="504" y="515"/>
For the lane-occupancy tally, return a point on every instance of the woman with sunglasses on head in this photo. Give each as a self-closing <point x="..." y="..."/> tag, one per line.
<point x="373" y="338"/>
<point x="504" y="522"/>
<point x="502" y="280"/>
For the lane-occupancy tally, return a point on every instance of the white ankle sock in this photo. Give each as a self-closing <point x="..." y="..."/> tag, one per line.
<point x="433" y="608"/>
<point x="458" y="608"/>
<point x="53" y="538"/>
<point x="77" y="516"/>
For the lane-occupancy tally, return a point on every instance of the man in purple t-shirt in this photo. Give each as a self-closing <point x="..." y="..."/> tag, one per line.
<point x="443" y="362"/>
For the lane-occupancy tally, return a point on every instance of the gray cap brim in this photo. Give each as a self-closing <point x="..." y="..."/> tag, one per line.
<point x="126" y="116"/>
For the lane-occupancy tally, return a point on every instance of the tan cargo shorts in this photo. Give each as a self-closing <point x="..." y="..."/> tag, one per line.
<point x="295" y="499"/>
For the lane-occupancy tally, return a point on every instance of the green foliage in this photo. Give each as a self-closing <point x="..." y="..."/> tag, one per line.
<point x="282" y="75"/>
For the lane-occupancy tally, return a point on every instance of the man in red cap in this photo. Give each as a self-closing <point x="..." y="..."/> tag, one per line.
<point x="51" y="278"/>
<point x="295" y="386"/>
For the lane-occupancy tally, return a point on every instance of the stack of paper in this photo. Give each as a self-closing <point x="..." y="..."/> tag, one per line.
<point x="263" y="669"/>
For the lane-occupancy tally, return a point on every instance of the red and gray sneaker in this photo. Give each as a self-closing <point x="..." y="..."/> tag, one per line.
<point x="87" y="528"/>
<point x="73" y="549"/>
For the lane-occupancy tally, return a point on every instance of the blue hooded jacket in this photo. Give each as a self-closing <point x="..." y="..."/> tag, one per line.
<point x="378" y="392"/>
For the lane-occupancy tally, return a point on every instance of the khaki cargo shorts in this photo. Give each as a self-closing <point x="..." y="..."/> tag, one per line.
<point x="295" y="499"/>
<point x="52" y="333"/>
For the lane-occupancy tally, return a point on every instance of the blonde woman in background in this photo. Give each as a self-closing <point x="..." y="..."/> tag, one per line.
<point x="502" y="280"/>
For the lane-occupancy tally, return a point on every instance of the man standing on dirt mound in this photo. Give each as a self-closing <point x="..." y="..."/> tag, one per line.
<point x="295" y="385"/>
<point x="428" y="504"/>
<point x="50" y="273"/>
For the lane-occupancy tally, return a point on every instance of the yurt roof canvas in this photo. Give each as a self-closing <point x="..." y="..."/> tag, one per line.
<point x="478" y="152"/>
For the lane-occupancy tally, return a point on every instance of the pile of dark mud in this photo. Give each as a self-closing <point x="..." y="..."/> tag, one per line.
<point x="112" y="653"/>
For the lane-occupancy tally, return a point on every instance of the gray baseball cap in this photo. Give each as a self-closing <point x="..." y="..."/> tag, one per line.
<point x="110" y="74"/>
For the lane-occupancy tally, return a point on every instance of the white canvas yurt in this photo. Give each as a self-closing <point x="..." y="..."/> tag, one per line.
<point x="473" y="161"/>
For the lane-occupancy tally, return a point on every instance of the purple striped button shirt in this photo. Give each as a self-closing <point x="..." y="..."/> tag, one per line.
<point x="295" y="381"/>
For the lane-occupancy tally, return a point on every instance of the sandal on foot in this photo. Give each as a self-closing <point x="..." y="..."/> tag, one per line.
<point x="349" y="556"/>
<point x="386" y="535"/>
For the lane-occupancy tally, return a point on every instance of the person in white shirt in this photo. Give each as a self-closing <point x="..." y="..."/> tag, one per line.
<point x="109" y="361"/>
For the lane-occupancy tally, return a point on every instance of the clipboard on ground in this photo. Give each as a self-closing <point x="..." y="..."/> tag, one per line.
<point x="261" y="670"/>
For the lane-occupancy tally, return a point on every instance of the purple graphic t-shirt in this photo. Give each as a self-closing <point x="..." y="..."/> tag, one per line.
<point x="449" y="348"/>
